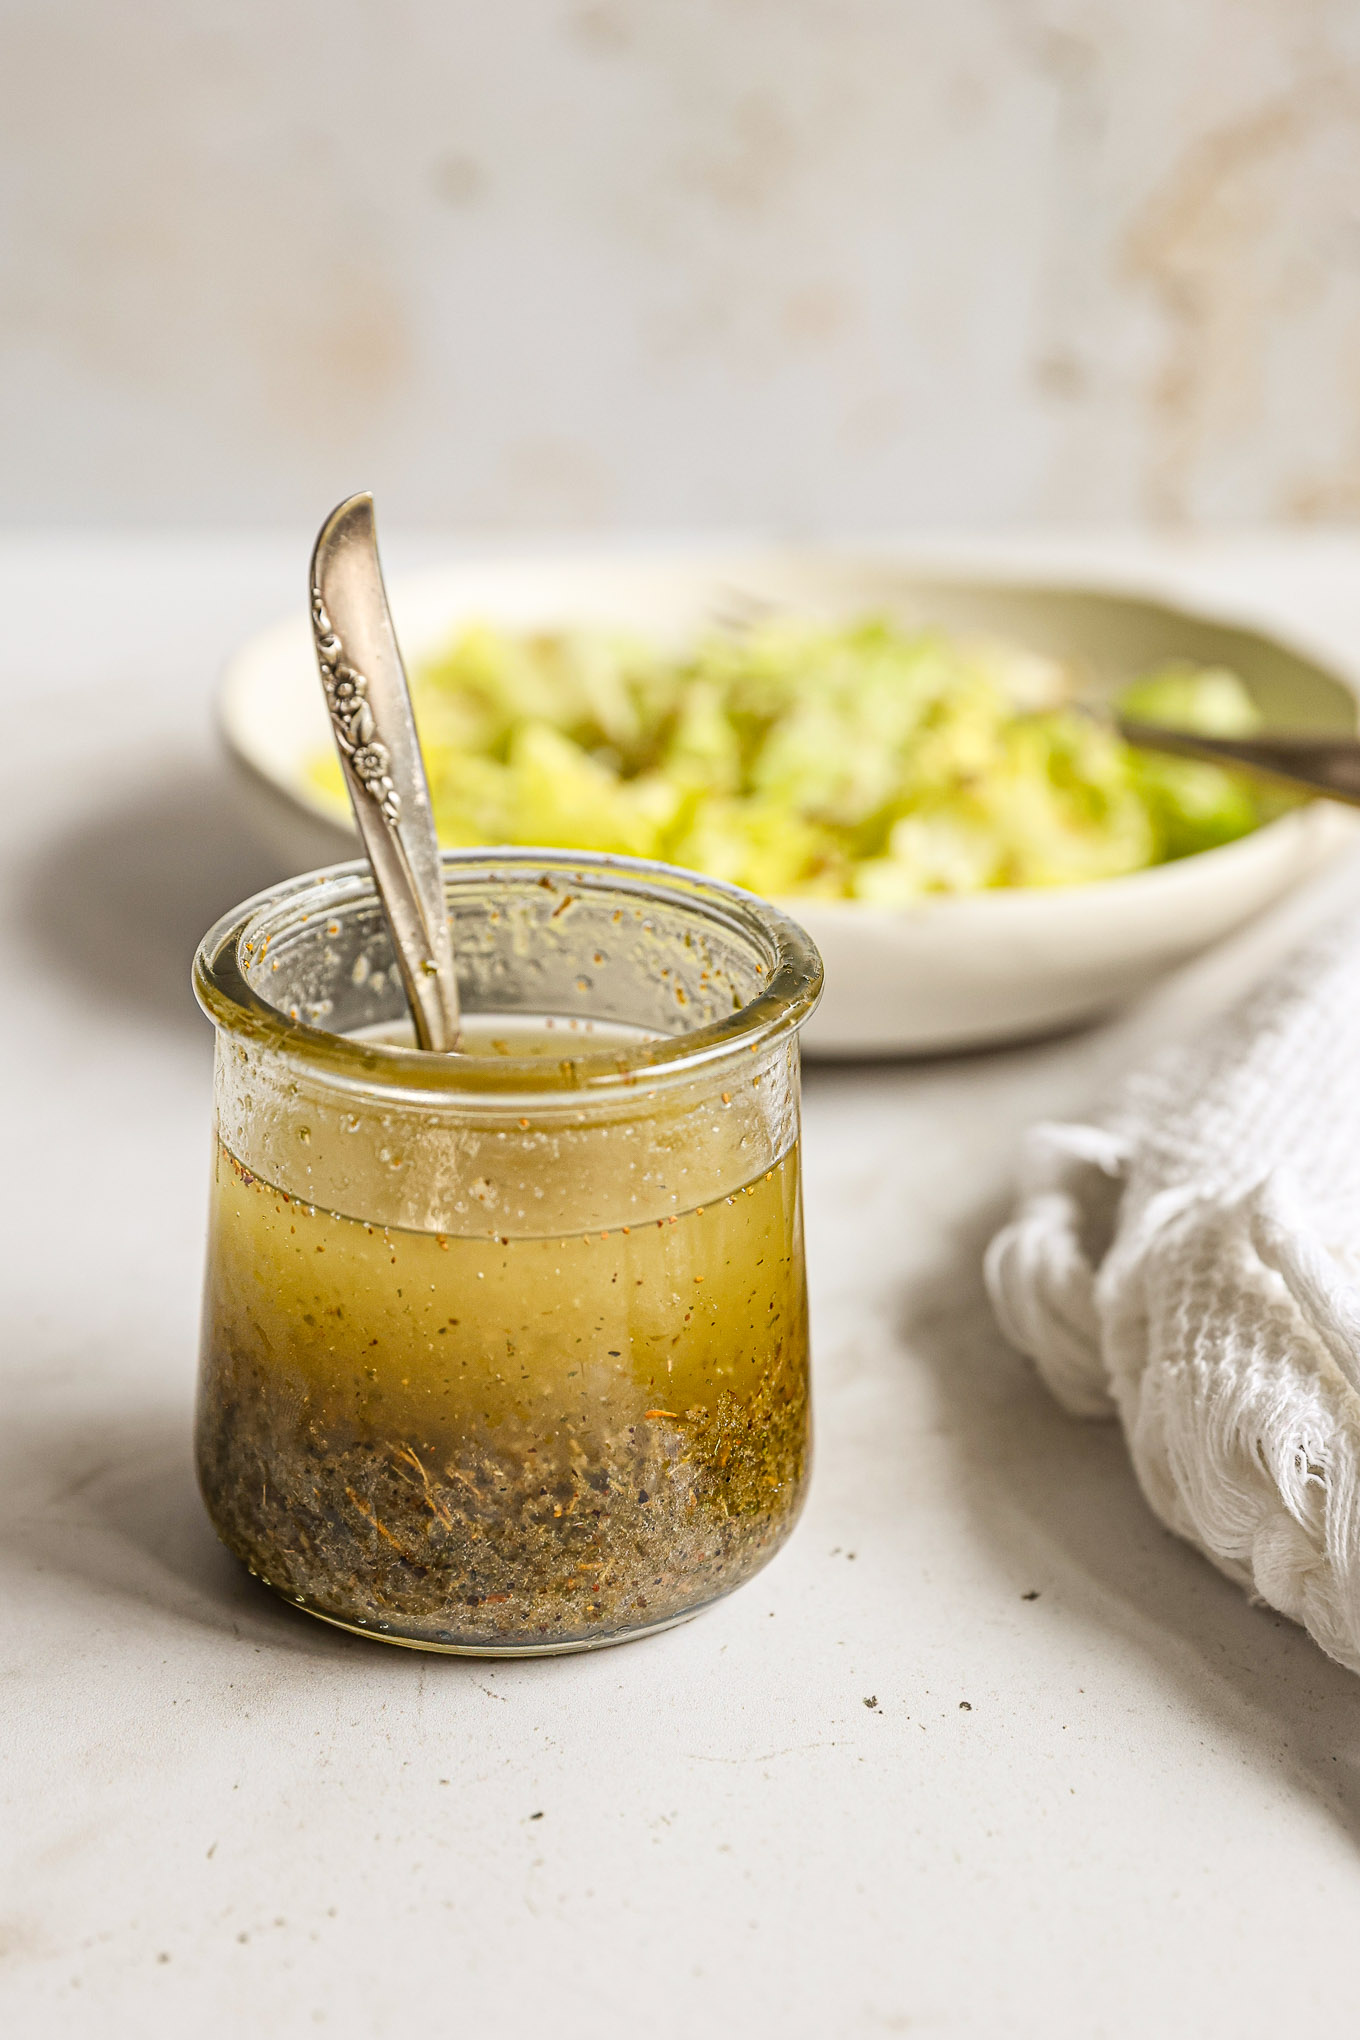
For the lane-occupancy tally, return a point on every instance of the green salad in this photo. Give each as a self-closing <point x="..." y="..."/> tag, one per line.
<point x="863" y="760"/>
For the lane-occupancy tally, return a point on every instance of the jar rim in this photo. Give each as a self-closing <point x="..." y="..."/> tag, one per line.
<point x="792" y="968"/>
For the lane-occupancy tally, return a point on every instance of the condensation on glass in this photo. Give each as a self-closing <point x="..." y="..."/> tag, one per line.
<point x="507" y="1351"/>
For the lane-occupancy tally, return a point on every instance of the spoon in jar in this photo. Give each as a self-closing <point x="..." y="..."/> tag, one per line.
<point x="375" y="734"/>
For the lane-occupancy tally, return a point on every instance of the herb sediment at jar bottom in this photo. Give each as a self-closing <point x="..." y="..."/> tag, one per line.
<point x="479" y="1441"/>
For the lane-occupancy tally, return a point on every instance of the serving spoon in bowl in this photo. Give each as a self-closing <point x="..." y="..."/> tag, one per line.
<point x="1329" y="765"/>
<point x="374" y="728"/>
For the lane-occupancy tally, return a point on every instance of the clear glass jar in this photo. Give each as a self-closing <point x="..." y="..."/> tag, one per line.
<point x="506" y="1352"/>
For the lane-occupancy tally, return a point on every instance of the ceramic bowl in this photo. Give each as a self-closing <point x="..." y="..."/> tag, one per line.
<point x="947" y="972"/>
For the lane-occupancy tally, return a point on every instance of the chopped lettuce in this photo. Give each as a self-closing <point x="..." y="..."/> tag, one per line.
<point x="862" y="760"/>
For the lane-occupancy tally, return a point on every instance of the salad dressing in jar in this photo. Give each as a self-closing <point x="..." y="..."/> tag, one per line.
<point x="506" y="1351"/>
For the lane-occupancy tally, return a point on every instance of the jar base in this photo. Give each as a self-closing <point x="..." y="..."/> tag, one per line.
<point x="494" y="1650"/>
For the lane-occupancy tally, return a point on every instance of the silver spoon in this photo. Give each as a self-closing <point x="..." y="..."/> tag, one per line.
<point x="1323" y="764"/>
<point x="380" y="756"/>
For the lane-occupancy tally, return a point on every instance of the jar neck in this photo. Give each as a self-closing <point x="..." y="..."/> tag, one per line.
<point x="696" y="970"/>
<point x="513" y="1167"/>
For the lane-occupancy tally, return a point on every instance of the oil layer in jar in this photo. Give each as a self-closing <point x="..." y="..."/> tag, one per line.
<point x="482" y="1442"/>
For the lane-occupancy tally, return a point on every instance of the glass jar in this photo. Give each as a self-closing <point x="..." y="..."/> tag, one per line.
<point x="506" y="1352"/>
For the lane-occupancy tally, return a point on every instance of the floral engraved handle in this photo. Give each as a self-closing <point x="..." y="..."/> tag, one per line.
<point x="352" y="718"/>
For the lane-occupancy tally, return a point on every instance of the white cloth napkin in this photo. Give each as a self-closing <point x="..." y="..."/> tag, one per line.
<point x="1190" y="1263"/>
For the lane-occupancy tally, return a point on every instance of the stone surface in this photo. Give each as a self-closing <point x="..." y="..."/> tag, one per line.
<point x="984" y="1752"/>
<point x="594" y="262"/>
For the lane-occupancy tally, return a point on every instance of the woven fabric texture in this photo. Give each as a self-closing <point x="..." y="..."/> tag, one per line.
<point x="1190" y="1264"/>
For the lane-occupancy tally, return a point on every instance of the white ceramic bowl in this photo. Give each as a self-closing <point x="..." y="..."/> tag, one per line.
<point x="947" y="972"/>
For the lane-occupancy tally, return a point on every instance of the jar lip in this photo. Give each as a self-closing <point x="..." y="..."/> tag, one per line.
<point x="792" y="963"/>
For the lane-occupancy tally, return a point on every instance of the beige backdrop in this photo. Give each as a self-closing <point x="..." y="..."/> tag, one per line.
<point x="805" y="264"/>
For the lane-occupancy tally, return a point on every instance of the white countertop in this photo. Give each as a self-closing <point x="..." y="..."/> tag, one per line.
<point x="1128" y="1806"/>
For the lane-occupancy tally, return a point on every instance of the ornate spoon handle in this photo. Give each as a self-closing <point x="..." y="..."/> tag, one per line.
<point x="375" y="734"/>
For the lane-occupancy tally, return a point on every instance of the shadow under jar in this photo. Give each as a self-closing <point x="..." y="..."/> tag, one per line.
<point x="506" y="1352"/>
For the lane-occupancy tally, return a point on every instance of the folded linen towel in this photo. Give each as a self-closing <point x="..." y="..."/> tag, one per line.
<point x="1191" y="1263"/>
